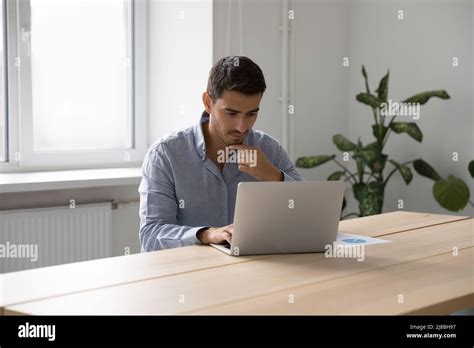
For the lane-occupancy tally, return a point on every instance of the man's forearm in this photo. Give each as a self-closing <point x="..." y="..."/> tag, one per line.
<point x="157" y="236"/>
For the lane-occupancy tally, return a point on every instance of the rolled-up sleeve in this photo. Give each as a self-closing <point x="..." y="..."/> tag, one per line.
<point x="159" y="206"/>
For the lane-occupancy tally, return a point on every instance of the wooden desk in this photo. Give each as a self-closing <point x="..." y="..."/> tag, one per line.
<point x="418" y="264"/>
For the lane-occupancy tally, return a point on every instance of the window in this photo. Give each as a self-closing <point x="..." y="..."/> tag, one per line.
<point x="80" y="74"/>
<point x="78" y="66"/>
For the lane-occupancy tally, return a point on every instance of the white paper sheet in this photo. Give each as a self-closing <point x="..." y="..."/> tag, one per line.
<point x="347" y="239"/>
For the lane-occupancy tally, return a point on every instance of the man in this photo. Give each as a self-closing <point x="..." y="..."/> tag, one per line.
<point x="189" y="183"/>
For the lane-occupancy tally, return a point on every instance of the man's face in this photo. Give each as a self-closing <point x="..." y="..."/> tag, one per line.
<point x="233" y="115"/>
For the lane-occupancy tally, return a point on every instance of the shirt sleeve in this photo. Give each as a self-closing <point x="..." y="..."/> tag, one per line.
<point x="282" y="162"/>
<point x="159" y="206"/>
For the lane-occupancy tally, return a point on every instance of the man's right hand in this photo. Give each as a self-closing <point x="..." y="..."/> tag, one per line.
<point x="216" y="235"/>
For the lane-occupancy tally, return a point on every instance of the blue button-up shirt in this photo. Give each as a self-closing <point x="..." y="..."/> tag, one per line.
<point x="183" y="191"/>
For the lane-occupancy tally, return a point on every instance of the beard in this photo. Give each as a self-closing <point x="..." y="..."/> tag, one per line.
<point x="227" y="142"/>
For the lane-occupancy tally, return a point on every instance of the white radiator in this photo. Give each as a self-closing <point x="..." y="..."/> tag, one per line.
<point x="32" y="238"/>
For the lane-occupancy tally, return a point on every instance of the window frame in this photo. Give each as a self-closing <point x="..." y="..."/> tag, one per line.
<point x="20" y="155"/>
<point x="4" y="57"/>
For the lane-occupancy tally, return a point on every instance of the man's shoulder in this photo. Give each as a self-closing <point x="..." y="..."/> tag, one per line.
<point x="175" y="143"/>
<point x="262" y="139"/>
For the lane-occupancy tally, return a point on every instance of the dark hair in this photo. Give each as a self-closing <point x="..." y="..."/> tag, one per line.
<point x="235" y="73"/>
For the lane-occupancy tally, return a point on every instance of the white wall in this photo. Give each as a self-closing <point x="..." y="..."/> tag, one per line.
<point x="180" y="57"/>
<point x="320" y="107"/>
<point x="321" y="40"/>
<point x="418" y="51"/>
<point x="261" y="41"/>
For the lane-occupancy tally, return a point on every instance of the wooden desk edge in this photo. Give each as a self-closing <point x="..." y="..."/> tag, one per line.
<point x="8" y="312"/>
<point x="443" y="308"/>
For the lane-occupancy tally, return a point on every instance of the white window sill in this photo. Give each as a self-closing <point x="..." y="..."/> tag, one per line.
<point x="68" y="179"/>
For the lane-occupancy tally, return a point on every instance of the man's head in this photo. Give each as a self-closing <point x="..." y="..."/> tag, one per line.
<point x="234" y="91"/>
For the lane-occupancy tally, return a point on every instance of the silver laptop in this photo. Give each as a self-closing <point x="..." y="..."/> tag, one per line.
<point x="285" y="217"/>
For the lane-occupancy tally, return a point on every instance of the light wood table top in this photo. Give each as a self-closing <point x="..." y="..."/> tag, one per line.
<point x="203" y="280"/>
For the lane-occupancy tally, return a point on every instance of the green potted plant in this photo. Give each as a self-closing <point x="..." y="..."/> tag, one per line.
<point x="370" y="179"/>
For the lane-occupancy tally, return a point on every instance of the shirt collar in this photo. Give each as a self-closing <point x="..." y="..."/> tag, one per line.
<point x="199" y="136"/>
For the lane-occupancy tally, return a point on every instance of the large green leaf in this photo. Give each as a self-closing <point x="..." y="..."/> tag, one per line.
<point x="313" y="161"/>
<point x="335" y="176"/>
<point x="452" y="194"/>
<point x="404" y="171"/>
<point x="471" y="168"/>
<point x="342" y="143"/>
<point x="382" y="91"/>
<point x="410" y="128"/>
<point x="367" y="156"/>
<point x="375" y="146"/>
<point x="369" y="99"/>
<point x="370" y="197"/>
<point x="423" y="97"/>
<point x="424" y="169"/>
